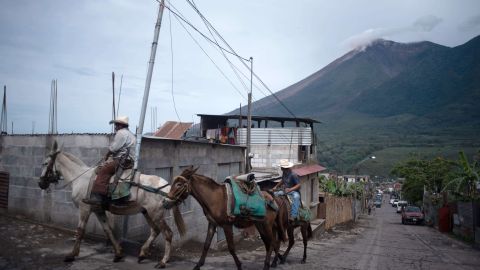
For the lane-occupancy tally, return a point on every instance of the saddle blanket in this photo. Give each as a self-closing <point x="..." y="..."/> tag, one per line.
<point x="245" y="205"/>
<point x="150" y="183"/>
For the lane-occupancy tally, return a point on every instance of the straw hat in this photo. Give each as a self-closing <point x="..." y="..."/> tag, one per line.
<point x="120" y="120"/>
<point x="284" y="163"/>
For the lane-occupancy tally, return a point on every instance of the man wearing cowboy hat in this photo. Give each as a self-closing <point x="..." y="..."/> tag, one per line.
<point x="122" y="152"/>
<point x="291" y="184"/>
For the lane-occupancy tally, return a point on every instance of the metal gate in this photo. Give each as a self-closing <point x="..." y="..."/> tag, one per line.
<point x="4" y="180"/>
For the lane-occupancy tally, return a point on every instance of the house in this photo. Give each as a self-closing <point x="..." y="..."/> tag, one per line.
<point x="354" y="178"/>
<point x="272" y="139"/>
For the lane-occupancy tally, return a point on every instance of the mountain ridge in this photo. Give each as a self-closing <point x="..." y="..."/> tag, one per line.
<point x="385" y="94"/>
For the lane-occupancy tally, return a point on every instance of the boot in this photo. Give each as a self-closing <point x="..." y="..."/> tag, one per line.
<point x="95" y="199"/>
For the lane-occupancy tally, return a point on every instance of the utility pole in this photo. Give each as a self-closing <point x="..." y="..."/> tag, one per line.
<point x="113" y="100"/>
<point x="148" y="82"/>
<point x="4" y="123"/>
<point x="249" y="120"/>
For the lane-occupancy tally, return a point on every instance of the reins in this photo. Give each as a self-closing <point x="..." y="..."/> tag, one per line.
<point x="69" y="183"/>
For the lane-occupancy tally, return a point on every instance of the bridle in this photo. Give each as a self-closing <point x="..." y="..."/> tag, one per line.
<point x="51" y="173"/>
<point x="181" y="193"/>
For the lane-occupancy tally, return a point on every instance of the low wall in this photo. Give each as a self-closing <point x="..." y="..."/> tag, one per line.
<point x="337" y="210"/>
<point x="22" y="157"/>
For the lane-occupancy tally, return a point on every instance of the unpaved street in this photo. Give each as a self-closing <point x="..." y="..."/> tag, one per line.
<point x="378" y="241"/>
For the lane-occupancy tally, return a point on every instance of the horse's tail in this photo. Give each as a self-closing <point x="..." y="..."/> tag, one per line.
<point x="177" y="216"/>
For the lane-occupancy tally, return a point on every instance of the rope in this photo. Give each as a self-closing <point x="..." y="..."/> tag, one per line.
<point x="67" y="184"/>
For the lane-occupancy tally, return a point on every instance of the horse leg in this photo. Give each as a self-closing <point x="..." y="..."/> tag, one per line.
<point x="206" y="245"/>
<point x="102" y="218"/>
<point x="82" y="222"/>
<point x="267" y="237"/>
<point x="304" y="229"/>
<point x="276" y="248"/>
<point x="291" y="241"/>
<point x="231" y="245"/>
<point x="168" y="235"/>
<point x="154" y="231"/>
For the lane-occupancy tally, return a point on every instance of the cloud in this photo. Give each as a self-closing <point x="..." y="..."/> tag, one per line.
<point x="471" y="23"/>
<point x="426" y="23"/>
<point x="83" y="71"/>
<point x="362" y="40"/>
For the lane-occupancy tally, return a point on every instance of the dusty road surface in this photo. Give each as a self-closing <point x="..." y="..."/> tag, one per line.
<point x="378" y="241"/>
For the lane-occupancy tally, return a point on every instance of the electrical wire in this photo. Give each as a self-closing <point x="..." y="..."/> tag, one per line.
<point x="202" y="34"/>
<point x="234" y="53"/>
<point x="171" y="52"/>
<point x="208" y="56"/>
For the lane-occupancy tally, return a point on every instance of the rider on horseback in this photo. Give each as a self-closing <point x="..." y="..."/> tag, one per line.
<point x="291" y="184"/>
<point x="122" y="152"/>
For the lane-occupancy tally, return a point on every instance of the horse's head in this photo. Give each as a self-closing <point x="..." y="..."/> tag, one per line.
<point x="50" y="175"/>
<point x="180" y="188"/>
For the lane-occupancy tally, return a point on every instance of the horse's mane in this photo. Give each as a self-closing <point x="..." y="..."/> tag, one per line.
<point x="74" y="159"/>
<point x="191" y="172"/>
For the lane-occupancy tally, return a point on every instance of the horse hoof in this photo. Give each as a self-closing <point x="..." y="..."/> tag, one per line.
<point x="160" y="265"/>
<point x="303" y="261"/>
<point x="196" y="267"/>
<point x="281" y="258"/>
<point x="117" y="258"/>
<point x="69" y="258"/>
<point x="274" y="264"/>
<point x="141" y="258"/>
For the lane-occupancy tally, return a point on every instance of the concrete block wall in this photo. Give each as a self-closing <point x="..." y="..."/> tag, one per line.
<point x="22" y="156"/>
<point x="267" y="156"/>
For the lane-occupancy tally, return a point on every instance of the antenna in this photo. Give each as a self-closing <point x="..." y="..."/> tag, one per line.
<point x="3" y="123"/>
<point x="119" y="94"/>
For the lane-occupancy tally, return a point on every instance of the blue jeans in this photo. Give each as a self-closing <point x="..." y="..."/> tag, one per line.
<point x="295" y="196"/>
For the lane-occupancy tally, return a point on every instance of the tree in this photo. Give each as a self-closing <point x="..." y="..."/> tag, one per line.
<point x="423" y="174"/>
<point x="464" y="185"/>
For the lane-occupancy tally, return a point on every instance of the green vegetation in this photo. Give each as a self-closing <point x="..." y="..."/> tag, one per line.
<point x="341" y="188"/>
<point x="437" y="175"/>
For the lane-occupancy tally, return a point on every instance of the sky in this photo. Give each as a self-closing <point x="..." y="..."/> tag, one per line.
<point x="80" y="43"/>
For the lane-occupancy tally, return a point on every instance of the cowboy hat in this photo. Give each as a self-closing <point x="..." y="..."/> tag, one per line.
<point x="120" y="120"/>
<point x="284" y="163"/>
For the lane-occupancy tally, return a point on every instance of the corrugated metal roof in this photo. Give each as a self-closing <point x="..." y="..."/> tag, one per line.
<point x="172" y="130"/>
<point x="308" y="169"/>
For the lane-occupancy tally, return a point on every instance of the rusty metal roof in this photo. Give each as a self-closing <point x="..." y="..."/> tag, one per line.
<point x="309" y="169"/>
<point x="172" y="130"/>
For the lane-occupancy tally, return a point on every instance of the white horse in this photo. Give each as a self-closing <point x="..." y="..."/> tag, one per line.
<point x="78" y="175"/>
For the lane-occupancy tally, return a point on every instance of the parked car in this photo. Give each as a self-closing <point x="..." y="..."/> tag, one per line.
<point x="412" y="214"/>
<point x="378" y="204"/>
<point x="391" y="200"/>
<point x="394" y="204"/>
<point x="401" y="205"/>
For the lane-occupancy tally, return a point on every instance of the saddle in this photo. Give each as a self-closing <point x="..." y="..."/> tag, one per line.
<point x="120" y="183"/>
<point x="244" y="199"/>
<point x="304" y="213"/>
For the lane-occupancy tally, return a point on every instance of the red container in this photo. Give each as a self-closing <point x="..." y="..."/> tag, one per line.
<point x="444" y="220"/>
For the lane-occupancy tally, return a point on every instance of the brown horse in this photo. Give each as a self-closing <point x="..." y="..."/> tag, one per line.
<point x="212" y="198"/>
<point x="283" y="222"/>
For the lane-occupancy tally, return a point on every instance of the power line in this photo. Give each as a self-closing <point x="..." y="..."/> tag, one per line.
<point x="171" y="53"/>
<point x="202" y="34"/>
<point x="234" y="53"/>
<point x="208" y="56"/>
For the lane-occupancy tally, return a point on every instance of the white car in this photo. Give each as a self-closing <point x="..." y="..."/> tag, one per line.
<point x="400" y="206"/>
<point x="394" y="204"/>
